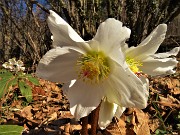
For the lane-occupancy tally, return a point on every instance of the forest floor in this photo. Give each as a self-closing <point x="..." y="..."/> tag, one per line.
<point x="49" y="113"/>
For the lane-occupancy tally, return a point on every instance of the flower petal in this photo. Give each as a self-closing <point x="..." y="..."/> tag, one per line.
<point x="150" y="45"/>
<point x="63" y="33"/>
<point x="173" y="52"/>
<point x="110" y="34"/>
<point x="115" y="54"/>
<point x="106" y="113"/>
<point x="155" y="67"/>
<point x="12" y="61"/>
<point x="58" y="65"/>
<point x="145" y="82"/>
<point x="68" y="85"/>
<point x="120" y="111"/>
<point x="84" y="98"/>
<point x="126" y="89"/>
<point x="118" y="56"/>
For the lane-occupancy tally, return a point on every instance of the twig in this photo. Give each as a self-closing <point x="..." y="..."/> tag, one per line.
<point x="40" y="6"/>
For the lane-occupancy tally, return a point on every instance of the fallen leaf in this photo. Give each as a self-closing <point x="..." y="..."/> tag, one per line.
<point x="26" y="112"/>
<point x="141" y="127"/>
<point x="154" y="124"/>
<point x="53" y="116"/>
<point x="119" y="127"/>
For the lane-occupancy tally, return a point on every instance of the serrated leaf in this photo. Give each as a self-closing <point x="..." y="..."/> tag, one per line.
<point x="32" y="79"/>
<point x="4" y="87"/>
<point x="26" y="90"/>
<point x="7" y="79"/>
<point x="11" y="130"/>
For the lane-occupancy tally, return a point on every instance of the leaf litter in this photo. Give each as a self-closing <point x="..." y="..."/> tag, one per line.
<point x="49" y="112"/>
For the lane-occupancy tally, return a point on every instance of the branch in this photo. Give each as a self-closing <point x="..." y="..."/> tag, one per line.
<point x="40" y="6"/>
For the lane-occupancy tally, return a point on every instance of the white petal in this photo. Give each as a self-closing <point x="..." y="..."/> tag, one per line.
<point x="120" y="111"/>
<point x="19" y="63"/>
<point x="118" y="56"/>
<point x="126" y="89"/>
<point x="84" y="98"/>
<point x="115" y="54"/>
<point x="111" y="34"/>
<point x="150" y="45"/>
<point x="145" y="82"/>
<point x="124" y="47"/>
<point x="61" y="30"/>
<point x="5" y="65"/>
<point x="68" y="85"/>
<point x="173" y="52"/>
<point x="106" y="113"/>
<point x="12" y="61"/>
<point x="63" y="33"/>
<point x="58" y="65"/>
<point x="155" y="67"/>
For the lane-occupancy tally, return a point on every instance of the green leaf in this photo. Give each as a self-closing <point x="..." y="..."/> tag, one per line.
<point x="26" y="90"/>
<point x="4" y="72"/>
<point x="32" y="79"/>
<point x="160" y="132"/>
<point x="7" y="79"/>
<point x="11" y="130"/>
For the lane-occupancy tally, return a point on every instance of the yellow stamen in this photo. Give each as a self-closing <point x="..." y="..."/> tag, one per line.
<point x="133" y="64"/>
<point x="94" y="67"/>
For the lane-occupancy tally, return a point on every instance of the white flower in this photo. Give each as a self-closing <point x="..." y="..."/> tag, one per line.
<point x="10" y="64"/>
<point x="7" y="65"/>
<point x="145" y="58"/>
<point x="19" y="66"/>
<point x="14" y="65"/>
<point x="12" y="61"/>
<point x="93" y="71"/>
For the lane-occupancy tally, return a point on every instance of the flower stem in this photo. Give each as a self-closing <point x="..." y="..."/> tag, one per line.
<point x="84" y="130"/>
<point x="94" y="120"/>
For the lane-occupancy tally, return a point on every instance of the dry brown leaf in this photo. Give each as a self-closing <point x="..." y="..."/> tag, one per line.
<point x="67" y="128"/>
<point x="38" y="91"/>
<point x="16" y="103"/>
<point x="118" y="128"/>
<point x="175" y="83"/>
<point x="66" y="114"/>
<point x="75" y="127"/>
<point x="135" y="124"/>
<point x="169" y="104"/>
<point x="176" y="90"/>
<point x="38" y="115"/>
<point x="53" y="116"/>
<point x="169" y="101"/>
<point x="26" y="112"/>
<point x="154" y="124"/>
<point x="142" y="119"/>
<point x="162" y="99"/>
<point x="175" y="100"/>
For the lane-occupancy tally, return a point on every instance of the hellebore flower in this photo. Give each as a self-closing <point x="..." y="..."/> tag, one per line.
<point x="94" y="71"/>
<point x="145" y="60"/>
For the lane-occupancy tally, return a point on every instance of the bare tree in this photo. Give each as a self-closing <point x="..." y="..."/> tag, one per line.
<point x="25" y="34"/>
<point x="23" y="30"/>
<point x="141" y="16"/>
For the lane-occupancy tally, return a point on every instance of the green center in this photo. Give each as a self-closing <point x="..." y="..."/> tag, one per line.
<point x="133" y="64"/>
<point x="94" y="67"/>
